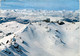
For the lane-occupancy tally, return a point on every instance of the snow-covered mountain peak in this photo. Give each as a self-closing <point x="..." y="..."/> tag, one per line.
<point x="39" y="34"/>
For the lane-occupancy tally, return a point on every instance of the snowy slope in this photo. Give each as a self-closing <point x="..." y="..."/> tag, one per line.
<point x="39" y="38"/>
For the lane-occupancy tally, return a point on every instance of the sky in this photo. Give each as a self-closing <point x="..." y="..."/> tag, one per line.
<point x="41" y="4"/>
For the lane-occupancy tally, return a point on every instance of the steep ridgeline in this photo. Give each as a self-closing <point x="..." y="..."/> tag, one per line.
<point x="42" y="39"/>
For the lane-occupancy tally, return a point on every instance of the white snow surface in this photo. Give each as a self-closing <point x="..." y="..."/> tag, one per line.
<point x="39" y="38"/>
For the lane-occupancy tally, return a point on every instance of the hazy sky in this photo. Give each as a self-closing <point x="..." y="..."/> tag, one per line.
<point x="41" y="4"/>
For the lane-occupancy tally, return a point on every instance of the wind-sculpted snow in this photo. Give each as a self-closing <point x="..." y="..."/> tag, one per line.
<point x="39" y="36"/>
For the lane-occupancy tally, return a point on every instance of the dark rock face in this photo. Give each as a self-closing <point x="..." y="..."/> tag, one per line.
<point x="47" y="20"/>
<point x="5" y="19"/>
<point x="1" y="31"/>
<point x="8" y="34"/>
<point x="23" y="21"/>
<point x="70" y="20"/>
<point x="61" y="23"/>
